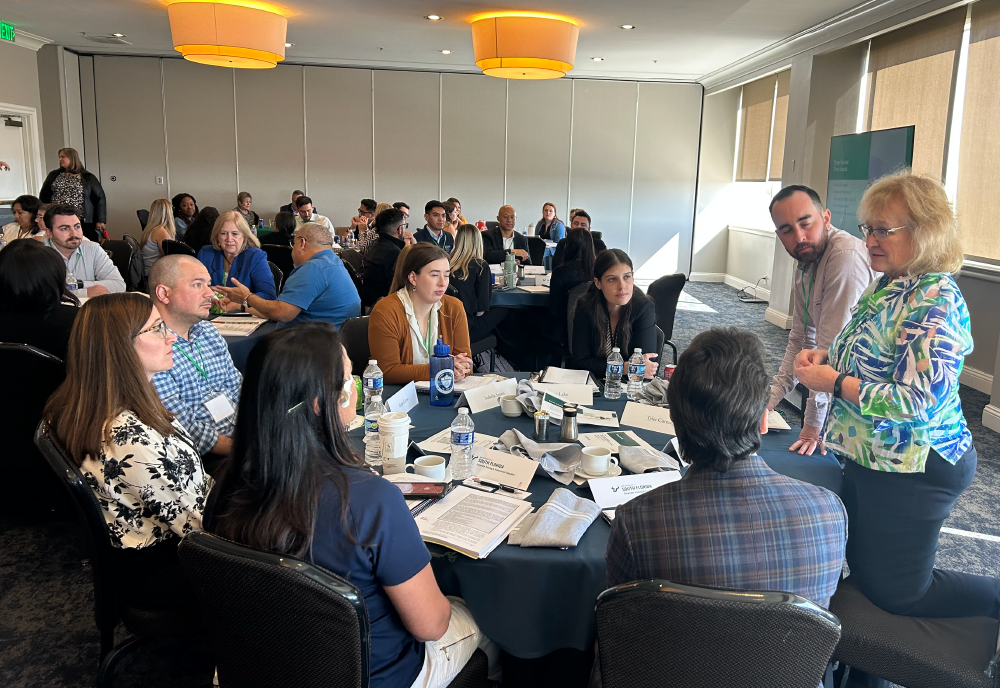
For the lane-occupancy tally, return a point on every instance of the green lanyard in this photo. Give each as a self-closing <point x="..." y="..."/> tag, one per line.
<point x="427" y="339"/>
<point x="808" y="298"/>
<point x="199" y="368"/>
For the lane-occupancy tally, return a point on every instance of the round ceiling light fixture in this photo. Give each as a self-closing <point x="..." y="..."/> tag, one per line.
<point x="229" y="33"/>
<point x="597" y="59"/>
<point x="627" y="27"/>
<point x="446" y="52"/>
<point x="524" y="45"/>
<point x="433" y="17"/>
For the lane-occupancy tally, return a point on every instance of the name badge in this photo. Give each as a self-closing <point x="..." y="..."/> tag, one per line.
<point x="220" y="407"/>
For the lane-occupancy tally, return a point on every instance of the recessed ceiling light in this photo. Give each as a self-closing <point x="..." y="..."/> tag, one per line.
<point x="597" y="59"/>
<point x="446" y="52"/>
<point x="627" y="27"/>
<point x="433" y="17"/>
<point x="118" y="35"/>
<point x="289" y="45"/>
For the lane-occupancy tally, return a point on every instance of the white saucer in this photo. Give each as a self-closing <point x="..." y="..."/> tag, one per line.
<point x="613" y="472"/>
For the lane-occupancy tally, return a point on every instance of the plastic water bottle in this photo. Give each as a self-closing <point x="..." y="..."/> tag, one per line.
<point x="636" y="374"/>
<point x="71" y="283"/>
<point x="613" y="375"/>
<point x="373" y="380"/>
<point x="463" y="432"/>
<point x="442" y="375"/>
<point x="373" y="446"/>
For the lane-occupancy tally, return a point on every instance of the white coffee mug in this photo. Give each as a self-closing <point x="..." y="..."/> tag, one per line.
<point x="394" y="436"/>
<point x="430" y="466"/>
<point x="597" y="460"/>
<point x="510" y="406"/>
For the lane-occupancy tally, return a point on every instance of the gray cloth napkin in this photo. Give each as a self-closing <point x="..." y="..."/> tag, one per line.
<point x="641" y="460"/>
<point x="654" y="393"/>
<point x="560" y="522"/>
<point x="557" y="459"/>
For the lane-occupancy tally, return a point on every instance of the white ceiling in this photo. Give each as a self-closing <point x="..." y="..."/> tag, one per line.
<point x="675" y="39"/>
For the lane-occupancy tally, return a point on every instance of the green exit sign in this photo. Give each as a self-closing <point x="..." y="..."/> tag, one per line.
<point x="6" y="31"/>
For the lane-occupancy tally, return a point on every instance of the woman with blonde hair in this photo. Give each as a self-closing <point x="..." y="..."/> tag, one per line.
<point x="235" y="254"/>
<point x="160" y="226"/>
<point x="550" y="227"/>
<point x="470" y="276"/>
<point x="896" y="417"/>
<point x="73" y="185"/>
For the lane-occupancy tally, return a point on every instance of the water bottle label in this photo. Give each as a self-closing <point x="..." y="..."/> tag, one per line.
<point x="372" y="383"/>
<point x="634" y="369"/>
<point x="444" y="381"/>
<point x="371" y="425"/>
<point x="462" y="438"/>
<point x="614" y="369"/>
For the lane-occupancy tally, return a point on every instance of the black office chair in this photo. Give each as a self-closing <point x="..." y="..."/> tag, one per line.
<point x="914" y="652"/>
<point x="665" y="292"/>
<point x="536" y="249"/>
<point x="354" y="335"/>
<point x="355" y="276"/>
<point x="143" y="216"/>
<point x="110" y="603"/>
<point x="137" y="272"/>
<point x="30" y="376"/>
<point x="492" y="224"/>
<point x="278" y="621"/>
<point x="280" y="256"/>
<point x="171" y="247"/>
<point x="279" y="278"/>
<point x="127" y="260"/>
<point x="353" y="258"/>
<point x="658" y="633"/>
<point x="572" y="300"/>
<point x="485" y="344"/>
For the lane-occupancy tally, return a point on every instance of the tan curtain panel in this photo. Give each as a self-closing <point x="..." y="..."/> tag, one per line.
<point x="780" y="119"/>
<point x="910" y="76"/>
<point x="755" y="130"/>
<point x="978" y="202"/>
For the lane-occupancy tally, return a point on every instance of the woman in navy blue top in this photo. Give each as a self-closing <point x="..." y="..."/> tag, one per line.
<point x="235" y="253"/>
<point x="293" y="485"/>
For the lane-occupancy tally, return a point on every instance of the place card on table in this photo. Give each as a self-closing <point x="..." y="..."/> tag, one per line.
<point x="534" y="269"/>
<point x="590" y="416"/>
<point x="613" y="440"/>
<point x="648" y="418"/>
<point x="488" y="396"/>
<point x="612" y="492"/>
<point x="577" y="394"/>
<point x="403" y="400"/>
<point x="440" y="443"/>
<point x="504" y="468"/>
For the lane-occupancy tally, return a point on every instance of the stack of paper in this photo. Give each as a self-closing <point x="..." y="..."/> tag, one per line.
<point x="471" y="522"/>
<point x="776" y="422"/>
<point x="565" y="376"/>
<point x="440" y="443"/>
<point x="237" y="326"/>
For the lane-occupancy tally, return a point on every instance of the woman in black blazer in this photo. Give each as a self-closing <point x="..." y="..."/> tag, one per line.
<point x="470" y="275"/>
<point x="75" y="186"/>
<point x="613" y="313"/>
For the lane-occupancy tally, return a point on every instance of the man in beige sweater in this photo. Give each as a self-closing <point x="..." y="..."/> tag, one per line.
<point x="833" y="270"/>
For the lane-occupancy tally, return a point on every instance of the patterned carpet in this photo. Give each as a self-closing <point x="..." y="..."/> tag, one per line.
<point x="47" y="632"/>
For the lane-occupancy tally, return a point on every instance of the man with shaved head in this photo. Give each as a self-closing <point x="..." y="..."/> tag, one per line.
<point x="497" y="242"/>
<point x="203" y="386"/>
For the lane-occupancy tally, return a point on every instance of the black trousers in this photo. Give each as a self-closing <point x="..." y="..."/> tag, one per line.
<point x="482" y="326"/>
<point x="894" y="523"/>
<point x="90" y="231"/>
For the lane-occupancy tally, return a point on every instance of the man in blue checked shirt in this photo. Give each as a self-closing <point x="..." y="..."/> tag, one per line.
<point x="731" y="522"/>
<point x="203" y="387"/>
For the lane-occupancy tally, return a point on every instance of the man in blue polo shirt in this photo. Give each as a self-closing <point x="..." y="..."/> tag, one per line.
<point x="319" y="288"/>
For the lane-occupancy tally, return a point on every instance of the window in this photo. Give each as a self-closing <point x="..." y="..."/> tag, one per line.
<point x="780" y="119"/>
<point x="760" y="153"/>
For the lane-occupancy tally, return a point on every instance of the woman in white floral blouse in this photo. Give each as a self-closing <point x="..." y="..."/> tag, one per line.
<point x="146" y="473"/>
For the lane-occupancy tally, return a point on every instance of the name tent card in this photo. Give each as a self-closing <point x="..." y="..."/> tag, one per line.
<point x="504" y="468"/>
<point x="488" y="396"/>
<point x="577" y="394"/>
<point x="403" y="400"/>
<point x="612" y="492"/>
<point x="648" y="418"/>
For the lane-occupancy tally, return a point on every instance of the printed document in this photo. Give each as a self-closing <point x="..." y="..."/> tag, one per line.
<point x="237" y="327"/>
<point x="471" y="522"/>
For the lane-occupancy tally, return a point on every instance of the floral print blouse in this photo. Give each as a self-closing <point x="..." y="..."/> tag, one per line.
<point x="906" y="341"/>
<point x="68" y="188"/>
<point x="151" y="487"/>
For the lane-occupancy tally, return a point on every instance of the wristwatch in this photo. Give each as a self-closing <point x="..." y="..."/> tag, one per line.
<point x="836" y="385"/>
<point x="243" y="307"/>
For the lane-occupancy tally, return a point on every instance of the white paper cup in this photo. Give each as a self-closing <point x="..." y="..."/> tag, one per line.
<point x="430" y="466"/>
<point x="394" y="436"/>
<point x="597" y="460"/>
<point x="510" y="406"/>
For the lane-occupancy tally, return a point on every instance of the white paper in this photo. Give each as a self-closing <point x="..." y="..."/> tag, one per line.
<point x="534" y="269"/>
<point x="589" y="416"/>
<point x="504" y="468"/>
<point x="565" y="376"/>
<point x="440" y="443"/>
<point x="220" y="407"/>
<point x="648" y="418"/>
<point x="237" y="326"/>
<point x="516" y="494"/>
<point x="470" y="521"/>
<point x="403" y="400"/>
<point x="776" y="422"/>
<point x="577" y="394"/>
<point x="464" y="385"/>
<point x="613" y="440"/>
<point x="488" y="396"/>
<point x="533" y="289"/>
<point x="612" y="492"/>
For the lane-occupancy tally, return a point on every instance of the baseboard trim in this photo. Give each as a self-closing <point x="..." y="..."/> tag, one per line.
<point x="977" y="379"/>
<point x="775" y="317"/>
<point x="738" y="283"/>
<point x="707" y="277"/>
<point x="991" y="417"/>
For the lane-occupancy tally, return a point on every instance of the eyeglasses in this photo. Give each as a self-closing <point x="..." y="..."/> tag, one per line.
<point x="160" y="327"/>
<point x="868" y="230"/>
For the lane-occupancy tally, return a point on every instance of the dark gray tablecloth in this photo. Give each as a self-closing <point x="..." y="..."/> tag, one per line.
<point x="519" y="298"/>
<point x="239" y="347"/>
<point x="533" y="601"/>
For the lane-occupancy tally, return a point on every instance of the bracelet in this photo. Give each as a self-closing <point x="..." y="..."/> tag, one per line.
<point x="838" y="385"/>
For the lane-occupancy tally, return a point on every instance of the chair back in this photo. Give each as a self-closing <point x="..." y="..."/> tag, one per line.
<point x="355" y="276"/>
<point x="664" y="293"/>
<point x="658" y="633"/>
<point x="126" y="260"/>
<point x="171" y="246"/>
<point x="353" y="258"/>
<point x="275" y="620"/>
<point x="277" y="275"/>
<point x="536" y="249"/>
<point x="492" y="224"/>
<point x="143" y="215"/>
<point x="660" y="338"/>
<point x="137" y="272"/>
<point x="280" y="256"/>
<point x="572" y="301"/>
<point x="354" y="335"/>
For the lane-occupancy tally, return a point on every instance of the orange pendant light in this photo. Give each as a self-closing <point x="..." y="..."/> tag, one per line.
<point x="524" y="45"/>
<point x="228" y="33"/>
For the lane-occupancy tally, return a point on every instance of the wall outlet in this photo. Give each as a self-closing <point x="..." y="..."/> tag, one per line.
<point x="159" y="180"/>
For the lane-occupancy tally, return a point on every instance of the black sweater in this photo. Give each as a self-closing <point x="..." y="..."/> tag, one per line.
<point x="588" y="355"/>
<point x="380" y="266"/>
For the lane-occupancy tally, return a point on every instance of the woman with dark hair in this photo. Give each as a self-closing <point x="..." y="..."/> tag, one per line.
<point x="577" y="267"/>
<point x="470" y="275"/>
<point x="72" y="184"/>
<point x="25" y="209"/>
<point x="284" y="230"/>
<point x="185" y="210"/>
<point x="405" y="325"/>
<point x="293" y="485"/>
<point x="142" y="466"/>
<point x="613" y="313"/>
<point x="199" y="232"/>
<point x="32" y="297"/>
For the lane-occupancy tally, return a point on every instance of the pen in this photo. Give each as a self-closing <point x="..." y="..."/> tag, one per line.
<point x="498" y="486"/>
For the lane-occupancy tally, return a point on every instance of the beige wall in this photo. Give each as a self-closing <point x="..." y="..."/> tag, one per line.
<point x="20" y="87"/>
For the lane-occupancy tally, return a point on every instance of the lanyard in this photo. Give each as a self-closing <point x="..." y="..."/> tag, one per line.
<point x="199" y="368"/>
<point x="807" y="298"/>
<point x="79" y="257"/>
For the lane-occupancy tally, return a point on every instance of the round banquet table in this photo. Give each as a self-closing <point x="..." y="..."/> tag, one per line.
<point x="533" y="601"/>
<point x="239" y="347"/>
<point x="519" y="298"/>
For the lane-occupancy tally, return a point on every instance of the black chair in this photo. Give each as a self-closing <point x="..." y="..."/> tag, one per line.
<point x="353" y="258"/>
<point x="276" y="274"/>
<point x="278" y="621"/>
<point x="280" y="256"/>
<point x="355" y="276"/>
<point x="354" y="334"/>
<point x="171" y="247"/>
<point x="492" y="224"/>
<point x="665" y="293"/>
<point x="660" y="338"/>
<point x="536" y="249"/>
<point x="127" y="260"/>
<point x="572" y="300"/>
<point x="914" y="652"/>
<point x="30" y="376"/>
<point x="658" y="633"/>
<point x="137" y="272"/>
<point x="143" y="216"/>
<point x="110" y="604"/>
<point x="485" y="344"/>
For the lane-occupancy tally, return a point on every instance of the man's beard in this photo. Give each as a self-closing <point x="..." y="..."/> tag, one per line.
<point x="812" y="252"/>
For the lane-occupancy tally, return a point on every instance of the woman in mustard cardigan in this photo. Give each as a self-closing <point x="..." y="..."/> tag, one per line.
<point x="405" y="325"/>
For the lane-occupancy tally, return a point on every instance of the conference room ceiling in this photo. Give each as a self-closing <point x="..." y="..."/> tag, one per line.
<point x="674" y="39"/>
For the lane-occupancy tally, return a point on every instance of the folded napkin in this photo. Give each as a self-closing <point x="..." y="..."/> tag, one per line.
<point x="558" y="459"/>
<point x="654" y="393"/>
<point x="642" y="460"/>
<point x="560" y="522"/>
<point x="529" y="399"/>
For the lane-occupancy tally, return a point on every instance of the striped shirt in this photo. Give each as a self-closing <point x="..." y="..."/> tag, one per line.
<point x="748" y="528"/>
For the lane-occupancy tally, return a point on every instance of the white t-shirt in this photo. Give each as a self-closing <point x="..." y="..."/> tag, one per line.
<point x="508" y="244"/>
